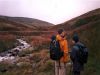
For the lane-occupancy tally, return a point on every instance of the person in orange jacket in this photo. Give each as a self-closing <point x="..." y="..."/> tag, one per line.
<point x="61" y="37"/>
<point x="63" y="45"/>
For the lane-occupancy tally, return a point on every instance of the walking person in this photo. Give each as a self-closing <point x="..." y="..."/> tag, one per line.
<point x="62" y="56"/>
<point x="78" y="55"/>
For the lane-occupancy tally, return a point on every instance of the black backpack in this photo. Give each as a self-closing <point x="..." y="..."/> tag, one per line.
<point x="82" y="54"/>
<point x="55" y="50"/>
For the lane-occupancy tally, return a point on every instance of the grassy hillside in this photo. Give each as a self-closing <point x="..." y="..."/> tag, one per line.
<point x="22" y="24"/>
<point x="87" y="20"/>
<point x="89" y="17"/>
<point x="91" y="38"/>
<point x="6" y="25"/>
<point x="28" y="21"/>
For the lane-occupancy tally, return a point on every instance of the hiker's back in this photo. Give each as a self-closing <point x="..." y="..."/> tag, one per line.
<point x="55" y="50"/>
<point x="80" y="53"/>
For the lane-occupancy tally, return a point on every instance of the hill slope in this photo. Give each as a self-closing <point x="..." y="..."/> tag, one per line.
<point x="21" y="23"/>
<point x="87" y="18"/>
<point x="90" y="35"/>
<point x="88" y="28"/>
<point x="28" y="21"/>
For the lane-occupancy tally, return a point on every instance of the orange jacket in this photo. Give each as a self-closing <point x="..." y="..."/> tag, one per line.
<point x="64" y="48"/>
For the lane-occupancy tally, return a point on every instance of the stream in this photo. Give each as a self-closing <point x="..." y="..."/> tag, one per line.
<point x="11" y="54"/>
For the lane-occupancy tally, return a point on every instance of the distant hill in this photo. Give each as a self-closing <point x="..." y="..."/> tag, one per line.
<point x="87" y="18"/>
<point x="22" y="23"/>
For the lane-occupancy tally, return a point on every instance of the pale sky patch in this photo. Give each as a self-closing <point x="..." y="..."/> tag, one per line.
<point x="53" y="11"/>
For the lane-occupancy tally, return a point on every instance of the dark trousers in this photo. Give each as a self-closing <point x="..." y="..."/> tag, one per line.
<point x="76" y="73"/>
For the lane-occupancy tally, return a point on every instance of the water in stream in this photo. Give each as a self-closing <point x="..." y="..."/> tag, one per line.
<point x="9" y="55"/>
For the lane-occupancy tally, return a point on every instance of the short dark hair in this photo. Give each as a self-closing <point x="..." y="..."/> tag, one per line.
<point x="75" y="38"/>
<point x="60" y="31"/>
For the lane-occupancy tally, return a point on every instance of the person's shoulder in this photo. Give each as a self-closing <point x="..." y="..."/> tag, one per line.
<point x="75" y="47"/>
<point x="80" y="44"/>
<point x="58" y="36"/>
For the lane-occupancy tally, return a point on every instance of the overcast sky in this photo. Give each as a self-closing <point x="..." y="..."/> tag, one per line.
<point x="53" y="11"/>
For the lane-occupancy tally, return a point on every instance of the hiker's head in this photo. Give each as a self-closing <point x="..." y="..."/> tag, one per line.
<point x="61" y="32"/>
<point x="53" y="37"/>
<point x="75" y="38"/>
